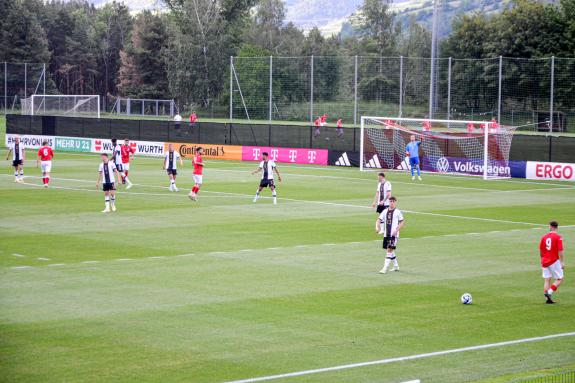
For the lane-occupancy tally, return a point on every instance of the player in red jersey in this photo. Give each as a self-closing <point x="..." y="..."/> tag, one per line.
<point x="551" y="251"/>
<point x="198" y="163"/>
<point x="45" y="155"/>
<point x="127" y="153"/>
<point x="317" y="127"/>
<point x="339" y="130"/>
<point x="426" y="125"/>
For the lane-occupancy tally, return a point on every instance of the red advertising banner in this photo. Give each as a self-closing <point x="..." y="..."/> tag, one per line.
<point x="286" y="155"/>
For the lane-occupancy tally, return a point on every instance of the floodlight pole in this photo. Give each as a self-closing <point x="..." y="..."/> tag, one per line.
<point x="400" y="85"/>
<point x="500" y="87"/>
<point x="433" y="58"/>
<point x="355" y="94"/>
<point x="271" y="90"/>
<point x="231" y="87"/>
<point x="449" y="89"/>
<point x="311" y="93"/>
<point x="551" y="96"/>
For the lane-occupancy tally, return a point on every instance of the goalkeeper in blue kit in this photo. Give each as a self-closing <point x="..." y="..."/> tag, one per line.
<point x="412" y="151"/>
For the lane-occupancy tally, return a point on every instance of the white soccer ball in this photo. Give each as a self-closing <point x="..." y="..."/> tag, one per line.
<point x="466" y="299"/>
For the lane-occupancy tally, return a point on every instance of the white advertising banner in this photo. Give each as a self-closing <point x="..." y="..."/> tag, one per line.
<point x="145" y="148"/>
<point x="29" y="141"/>
<point x="555" y="171"/>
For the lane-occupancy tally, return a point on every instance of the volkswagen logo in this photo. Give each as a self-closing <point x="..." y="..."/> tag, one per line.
<point x="442" y="165"/>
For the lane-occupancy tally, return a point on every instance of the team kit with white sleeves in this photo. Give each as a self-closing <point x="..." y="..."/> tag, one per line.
<point x="383" y="190"/>
<point x="18" y="153"/>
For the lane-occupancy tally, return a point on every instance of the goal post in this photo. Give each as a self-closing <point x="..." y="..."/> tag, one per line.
<point x="61" y="105"/>
<point x="467" y="147"/>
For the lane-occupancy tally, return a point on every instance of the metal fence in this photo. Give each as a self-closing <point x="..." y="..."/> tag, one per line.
<point x="535" y="93"/>
<point x="565" y="377"/>
<point x="18" y="81"/>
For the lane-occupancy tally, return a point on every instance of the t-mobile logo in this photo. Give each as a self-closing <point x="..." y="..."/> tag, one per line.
<point x="256" y="153"/>
<point x="292" y="155"/>
<point x="274" y="154"/>
<point x="311" y="156"/>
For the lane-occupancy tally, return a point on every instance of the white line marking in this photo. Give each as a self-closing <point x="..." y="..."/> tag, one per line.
<point x="55" y="264"/>
<point x="245" y="250"/>
<point x="158" y="257"/>
<point x="403" y="358"/>
<point x="329" y="244"/>
<point x="18" y="255"/>
<point x="185" y="255"/>
<point x="21" y="267"/>
<point x="124" y="259"/>
<point x="88" y="262"/>
<point x="43" y="259"/>
<point x="247" y="196"/>
<point x="273" y="248"/>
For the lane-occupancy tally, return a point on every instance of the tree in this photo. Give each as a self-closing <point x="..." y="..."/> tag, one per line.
<point x="375" y="23"/>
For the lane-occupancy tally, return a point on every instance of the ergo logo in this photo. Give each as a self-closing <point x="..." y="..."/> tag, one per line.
<point x="555" y="171"/>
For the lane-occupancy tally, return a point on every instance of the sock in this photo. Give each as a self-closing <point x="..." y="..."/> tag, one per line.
<point x="44" y="180"/>
<point x="126" y="173"/>
<point x="173" y="182"/>
<point x="386" y="264"/>
<point x="418" y="171"/>
<point x="412" y="171"/>
<point x="257" y="195"/>
<point x="21" y="173"/>
<point x="47" y="180"/>
<point x="107" y="202"/>
<point x="394" y="259"/>
<point x="16" y="174"/>
<point x="552" y="290"/>
<point x="113" y="201"/>
<point x="126" y="179"/>
<point x="275" y="196"/>
<point x="195" y="189"/>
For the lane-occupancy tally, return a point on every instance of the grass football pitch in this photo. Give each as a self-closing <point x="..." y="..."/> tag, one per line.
<point x="168" y="290"/>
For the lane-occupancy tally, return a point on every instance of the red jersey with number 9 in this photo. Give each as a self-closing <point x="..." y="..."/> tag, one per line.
<point x="549" y="247"/>
<point x="45" y="153"/>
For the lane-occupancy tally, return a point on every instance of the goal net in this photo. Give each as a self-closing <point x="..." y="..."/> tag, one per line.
<point x="479" y="148"/>
<point x="62" y="105"/>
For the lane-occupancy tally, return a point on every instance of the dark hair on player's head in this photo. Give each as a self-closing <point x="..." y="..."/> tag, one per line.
<point x="199" y="148"/>
<point x="265" y="154"/>
<point x="104" y="154"/>
<point x="554" y="224"/>
<point x="382" y="174"/>
<point x="114" y="140"/>
<point x="45" y="142"/>
<point x="392" y="198"/>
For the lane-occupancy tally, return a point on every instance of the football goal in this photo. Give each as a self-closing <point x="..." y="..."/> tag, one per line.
<point x="479" y="148"/>
<point x="62" y="105"/>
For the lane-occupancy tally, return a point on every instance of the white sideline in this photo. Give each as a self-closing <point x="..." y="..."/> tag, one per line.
<point x="402" y="358"/>
<point x="310" y="202"/>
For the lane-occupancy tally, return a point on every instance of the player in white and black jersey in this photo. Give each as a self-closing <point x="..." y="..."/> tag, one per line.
<point x="268" y="167"/>
<point x="382" y="194"/>
<point x="171" y="166"/>
<point x="389" y="224"/>
<point x="117" y="160"/>
<point x="18" y="156"/>
<point x="106" y="174"/>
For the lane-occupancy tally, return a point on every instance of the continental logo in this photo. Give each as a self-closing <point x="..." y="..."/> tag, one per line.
<point x="210" y="151"/>
<point x="221" y="152"/>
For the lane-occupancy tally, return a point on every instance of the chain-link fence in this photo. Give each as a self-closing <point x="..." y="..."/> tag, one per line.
<point x="536" y="94"/>
<point x="19" y="81"/>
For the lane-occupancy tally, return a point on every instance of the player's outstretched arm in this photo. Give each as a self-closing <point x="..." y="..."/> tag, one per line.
<point x="257" y="170"/>
<point x="8" y="155"/>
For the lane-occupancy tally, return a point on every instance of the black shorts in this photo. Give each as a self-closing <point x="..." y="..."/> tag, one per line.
<point x="266" y="183"/>
<point x="108" y="186"/>
<point x="173" y="172"/>
<point x="389" y="242"/>
<point x="381" y="208"/>
<point x="17" y="162"/>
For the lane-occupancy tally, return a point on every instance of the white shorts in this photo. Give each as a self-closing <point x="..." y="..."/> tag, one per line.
<point x="322" y="124"/>
<point x="46" y="166"/>
<point x="126" y="166"/>
<point x="198" y="179"/>
<point x="554" y="271"/>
